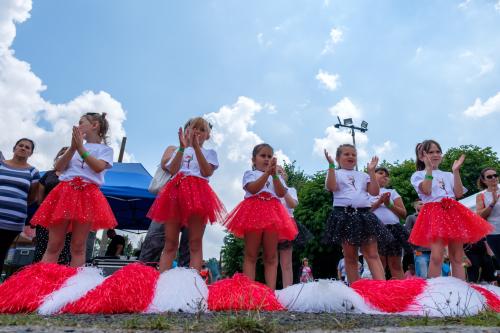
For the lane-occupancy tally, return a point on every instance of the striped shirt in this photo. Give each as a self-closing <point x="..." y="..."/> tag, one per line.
<point x="15" y="186"/>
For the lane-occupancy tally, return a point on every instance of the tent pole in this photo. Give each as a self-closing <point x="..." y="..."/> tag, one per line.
<point x="122" y="149"/>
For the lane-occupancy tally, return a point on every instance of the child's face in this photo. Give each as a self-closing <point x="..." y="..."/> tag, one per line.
<point x="85" y="126"/>
<point x="201" y="132"/>
<point x="263" y="158"/>
<point x="435" y="155"/>
<point x="348" y="158"/>
<point x="382" y="178"/>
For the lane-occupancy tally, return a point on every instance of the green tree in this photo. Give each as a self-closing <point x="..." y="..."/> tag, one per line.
<point x="231" y="255"/>
<point x="315" y="205"/>
<point x="476" y="159"/>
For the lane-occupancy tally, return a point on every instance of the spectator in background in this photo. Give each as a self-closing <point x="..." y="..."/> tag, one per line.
<point x="116" y="247"/>
<point x="479" y="266"/>
<point x="306" y="272"/>
<point x="488" y="208"/>
<point x="422" y="255"/>
<point x="19" y="183"/>
<point x="410" y="273"/>
<point x="47" y="183"/>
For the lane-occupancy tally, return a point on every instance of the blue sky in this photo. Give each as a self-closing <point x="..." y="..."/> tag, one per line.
<point x="278" y="71"/>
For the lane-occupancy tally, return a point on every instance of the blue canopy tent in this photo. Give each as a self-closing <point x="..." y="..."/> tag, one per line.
<point x="126" y="188"/>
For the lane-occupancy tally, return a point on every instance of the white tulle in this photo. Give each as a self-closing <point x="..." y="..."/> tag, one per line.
<point x="180" y="289"/>
<point x="323" y="296"/>
<point x="77" y="286"/>
<point x="448" y="296"/>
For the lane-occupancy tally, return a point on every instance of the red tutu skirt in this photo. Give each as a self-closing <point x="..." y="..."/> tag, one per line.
<point x="261" y="212"/>
<point x="75" y="201"/>
<point x="183" y="197"/>
<point x="448" y="220"/>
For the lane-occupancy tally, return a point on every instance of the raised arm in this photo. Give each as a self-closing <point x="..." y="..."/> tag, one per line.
<point x="331" y="180"/>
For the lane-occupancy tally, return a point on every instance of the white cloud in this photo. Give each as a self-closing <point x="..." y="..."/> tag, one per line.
<point x="327" y="80"/>
<point x="271" y="108"/>
<point x="386" y="148"/>
<point x="262" y="41"/>
<point x="346" y="109"/>
<point x="335" y="37"/>
<point x="464" y="5"/>
<point x="23" y="108"/>
<point x="497" y="6"/>
<point x="480" y="109"/>
<point x="479" y="64"/>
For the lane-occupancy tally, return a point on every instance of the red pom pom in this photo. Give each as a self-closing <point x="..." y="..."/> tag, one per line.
<point x="129" y="290"/>
<point x="492" y="300"/>
<point x="241" y="293"/>
<point x="392" y="295"/>
<point x="25" y="290"/>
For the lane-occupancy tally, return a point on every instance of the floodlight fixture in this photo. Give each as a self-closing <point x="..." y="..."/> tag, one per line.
<point x="348" y="122"/>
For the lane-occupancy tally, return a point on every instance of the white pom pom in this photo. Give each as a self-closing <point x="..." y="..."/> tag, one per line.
<point x="77" y="286"/>
<point x="323" y="296"/>
<point x="180" y="289"/>
<point x="448" y="296"/>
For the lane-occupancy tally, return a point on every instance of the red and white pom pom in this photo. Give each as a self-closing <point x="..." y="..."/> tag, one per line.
<point x="448" y="297"/>
<point x="241" y="293"/>
<point x="179" y="289"/>
<point x="26" y="290"/>
<point x="86" y="279"/>
<point x="128" y="290"/>
<point x="390" y="296"/>
<point x="323" y="296"/>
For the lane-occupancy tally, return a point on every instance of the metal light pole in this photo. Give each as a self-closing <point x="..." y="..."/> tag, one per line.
<point x="348" y="123"/>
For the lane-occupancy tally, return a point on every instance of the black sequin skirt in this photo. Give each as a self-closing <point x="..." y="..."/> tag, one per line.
<point x="400" y="242"/>
<point x="303" y="237"/>
<point x="355" y="226"/>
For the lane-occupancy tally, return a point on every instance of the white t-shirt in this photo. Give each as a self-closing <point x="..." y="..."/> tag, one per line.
<point x="189" y="164"/>
<point x="442" y="185"/>
<point x="351" y="189"/>
<point x="252" y="175"/>
<point x="293" y="193"/>
<point x="78" y="168"/>
<point x="494" y="217"/>
<point x="383" y="213"/>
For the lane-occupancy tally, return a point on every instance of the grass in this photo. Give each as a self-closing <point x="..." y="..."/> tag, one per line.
<point x="245" y="323"/>
<point x="487" y="318"/>
<point x="241" y="322"/>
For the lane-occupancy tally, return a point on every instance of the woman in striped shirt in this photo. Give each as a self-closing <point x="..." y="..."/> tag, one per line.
<point x="18" y="187"/>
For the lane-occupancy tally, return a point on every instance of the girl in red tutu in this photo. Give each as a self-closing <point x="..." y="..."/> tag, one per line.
<point x="443" y="221"/>
<point x="76" y="204"/>
<point x="187" y="200"/>
<point x="261" y="219"/>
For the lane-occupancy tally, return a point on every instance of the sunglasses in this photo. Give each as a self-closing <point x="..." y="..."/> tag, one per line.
<point x="491" y="176"/>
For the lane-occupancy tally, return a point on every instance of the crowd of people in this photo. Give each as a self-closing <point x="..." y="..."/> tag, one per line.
<point x="366" y="215"/>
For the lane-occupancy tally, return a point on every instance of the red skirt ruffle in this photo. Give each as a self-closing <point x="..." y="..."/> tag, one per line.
<point x="75" y="201"/>
<point x="183" y="197"/>
<point x="261" y="212"/>
<point x="448" y="220"/>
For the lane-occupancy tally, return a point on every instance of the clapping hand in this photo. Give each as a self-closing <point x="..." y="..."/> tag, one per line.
<point x="372" y="165"/>
<point x="328" y="157"/>
<point x="458" y="163"/>
<point x="271" y="168"/>
<point x="182" y="139"/>
<point x="77" y="138"/>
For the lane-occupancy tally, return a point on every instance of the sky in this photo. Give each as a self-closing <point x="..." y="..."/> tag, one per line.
<point x="274" y="71"/>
